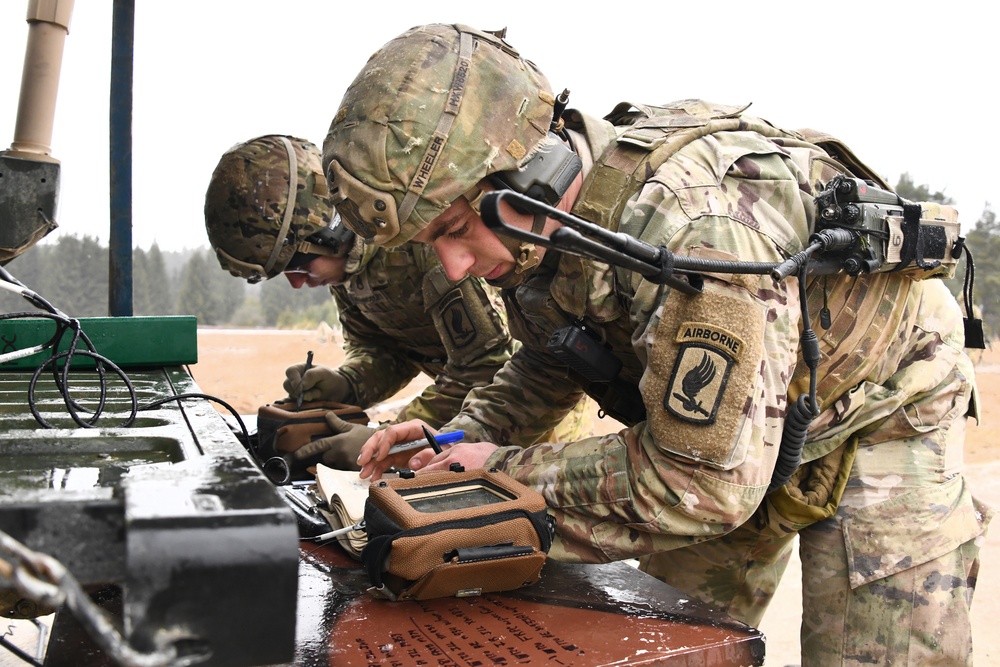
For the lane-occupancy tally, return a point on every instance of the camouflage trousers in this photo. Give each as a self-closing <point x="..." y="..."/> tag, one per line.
<point x="886" y="580"/>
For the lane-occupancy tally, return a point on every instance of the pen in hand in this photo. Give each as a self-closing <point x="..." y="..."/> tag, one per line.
<point x="432" y="441"/>
<point x="309" y="363"/>
<point x="430" y="438"/>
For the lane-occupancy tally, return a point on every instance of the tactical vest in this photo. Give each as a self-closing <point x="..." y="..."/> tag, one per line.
<point x="865" y="312"/>
<point x="407" y="295"/>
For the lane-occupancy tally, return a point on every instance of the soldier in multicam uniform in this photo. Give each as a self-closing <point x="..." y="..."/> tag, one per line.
<point x="889" y="532"/>
<point x="400" y="314"/>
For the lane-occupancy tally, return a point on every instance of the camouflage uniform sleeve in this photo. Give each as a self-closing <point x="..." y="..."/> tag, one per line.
<point x="716" y="364"/>
<point x="470" y="320"/>
<point x="375" y="366"/>
<point x="541" y="390"/>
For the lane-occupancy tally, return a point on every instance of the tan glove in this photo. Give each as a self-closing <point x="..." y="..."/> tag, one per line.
<point x="319" y="383"/>
<point x="338" y="451"/>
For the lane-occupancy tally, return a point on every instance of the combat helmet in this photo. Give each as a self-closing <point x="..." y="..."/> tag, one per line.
<point x="432" y="113"/>
<point x="268" y="207"/>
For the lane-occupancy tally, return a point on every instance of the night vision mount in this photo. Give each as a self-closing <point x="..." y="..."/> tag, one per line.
<point x="551" y="169"/>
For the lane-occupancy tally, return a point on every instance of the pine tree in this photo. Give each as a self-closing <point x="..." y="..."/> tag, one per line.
<point x="984" y="243"/>
<point x="282" y="303"/>
<point x="151" y="287"/>
<point x="161" y="297"/>
<point x="140" y="282"/>
<point x="75" y="274"/>
<point x="907" y="189"/>
<point x="26" y="268"/>
<point x="195" y="297"/>
<point x="206" y="292"/>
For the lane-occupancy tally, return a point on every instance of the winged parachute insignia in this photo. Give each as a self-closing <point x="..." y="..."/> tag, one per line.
<point x="698" y="382"/>
<point x="457" y="321"/>
<point x="694" y="381"/>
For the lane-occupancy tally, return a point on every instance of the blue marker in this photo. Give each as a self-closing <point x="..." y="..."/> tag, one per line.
<point x="441" y="439"/>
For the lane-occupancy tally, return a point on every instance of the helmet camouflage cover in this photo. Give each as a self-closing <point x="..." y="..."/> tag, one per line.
<point x="251" y="226"/>
<point x="432" y="113"/>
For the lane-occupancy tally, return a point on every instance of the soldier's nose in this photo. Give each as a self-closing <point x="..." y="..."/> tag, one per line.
<point x="456" y="264"/>
<point x="297" y="280"/>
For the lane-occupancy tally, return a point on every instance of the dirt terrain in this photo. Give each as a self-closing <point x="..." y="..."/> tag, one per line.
<point x="246" y="367"/>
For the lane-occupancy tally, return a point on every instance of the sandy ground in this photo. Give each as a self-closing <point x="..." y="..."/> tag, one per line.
<point x="246" y="369"/>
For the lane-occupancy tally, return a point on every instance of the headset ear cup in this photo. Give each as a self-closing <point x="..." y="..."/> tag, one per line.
<point x="337" y="237"/>
<point x="546" y="175"/>
<point x="501" y="183"/>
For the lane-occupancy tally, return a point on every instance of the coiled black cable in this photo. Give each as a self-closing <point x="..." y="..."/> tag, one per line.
<point x="60" y="363"/>
<point x="801" y="413"/>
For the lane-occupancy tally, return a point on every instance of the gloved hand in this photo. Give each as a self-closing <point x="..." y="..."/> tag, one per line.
<point x="319" y="383"/>
<point x="338" y="451"/>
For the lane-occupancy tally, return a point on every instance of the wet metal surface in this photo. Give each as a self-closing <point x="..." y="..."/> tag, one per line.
<point x="581" y="615"/>
<point x="172" y="515"/>
<point x="169" y="509"/>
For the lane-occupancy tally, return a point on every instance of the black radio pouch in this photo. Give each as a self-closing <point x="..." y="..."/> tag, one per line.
<point x="597" y="369"/>
<point x="581" y="351"/>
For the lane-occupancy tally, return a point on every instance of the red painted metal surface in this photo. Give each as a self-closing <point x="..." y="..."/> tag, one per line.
<point x="585" y="615"/>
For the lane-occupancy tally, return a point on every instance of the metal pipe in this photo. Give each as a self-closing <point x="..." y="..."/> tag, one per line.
<point x="48" y="25"/>
<point x="120" y="144"/>
<point x="29" y="175"/>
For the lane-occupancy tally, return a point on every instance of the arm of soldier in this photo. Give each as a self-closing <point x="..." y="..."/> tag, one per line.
<point x="317" y="383"/>
<point x="374" y="366"/>
<point x="470" y="455"/>
<point x="471" y="324"/>
<point x="443" y="399"/>
<point x="528" y="397"/>
<point x="667" y="480"/>
<point x="717" y="367"/>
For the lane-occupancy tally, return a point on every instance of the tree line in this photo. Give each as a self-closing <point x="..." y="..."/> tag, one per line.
<point x="72" y="274"/>
<point x="983" y="241"/>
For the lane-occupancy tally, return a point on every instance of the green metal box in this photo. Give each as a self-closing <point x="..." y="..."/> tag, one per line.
<point x="127" y="341"/>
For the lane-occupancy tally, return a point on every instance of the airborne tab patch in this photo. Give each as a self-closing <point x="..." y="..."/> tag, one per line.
<point x="701" y="371"/>
<point x="699" y="332"/>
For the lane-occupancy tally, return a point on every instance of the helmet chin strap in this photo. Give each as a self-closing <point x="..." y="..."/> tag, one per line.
<point x="524" y="253"/>
<point x="525" y="256"/>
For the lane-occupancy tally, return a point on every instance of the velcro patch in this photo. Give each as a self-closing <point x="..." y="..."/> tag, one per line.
<point x="714" y="336"/>
<point x="700" y="384"/>
<point x="701" y="371"/>
<point x="457" y="320"/>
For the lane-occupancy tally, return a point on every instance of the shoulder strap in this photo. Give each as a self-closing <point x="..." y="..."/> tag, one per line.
<point x="840" y="152"/>
<point x="650" y="135"/>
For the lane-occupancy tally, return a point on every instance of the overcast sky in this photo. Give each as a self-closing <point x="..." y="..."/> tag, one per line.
<point x="911" y="87"/>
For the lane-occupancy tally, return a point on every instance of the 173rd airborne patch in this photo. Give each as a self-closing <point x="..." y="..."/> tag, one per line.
<point x="701" y="371"/>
